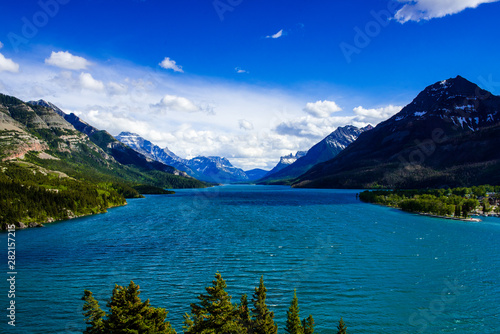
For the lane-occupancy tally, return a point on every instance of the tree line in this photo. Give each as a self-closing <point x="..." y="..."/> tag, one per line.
<point x="455" y="202"/>
<point x="214" y="313"/>
<point x="30" y="195"/>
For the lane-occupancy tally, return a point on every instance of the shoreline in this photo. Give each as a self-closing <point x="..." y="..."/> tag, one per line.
<point x="469" y="220"/>
<point x="50" y="220"/>
<point x="473" y="220"/>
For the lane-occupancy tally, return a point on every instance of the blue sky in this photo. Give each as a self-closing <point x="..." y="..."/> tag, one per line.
<point x="248" y="80"/>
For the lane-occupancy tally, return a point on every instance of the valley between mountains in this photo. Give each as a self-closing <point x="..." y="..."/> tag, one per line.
<point x="448" y="136"/>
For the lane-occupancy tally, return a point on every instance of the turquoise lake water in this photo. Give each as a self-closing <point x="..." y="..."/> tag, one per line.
<point x="380" y="269"/>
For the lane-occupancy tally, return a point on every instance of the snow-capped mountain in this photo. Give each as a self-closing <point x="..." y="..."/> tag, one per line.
<point x="154" y="152"/>
<point x="286" y="161"/>
<point x="211" y="169"/>
<point x="456" y="101"/>
<point x="447" y="136"/>
<point x="217" y="169"/>
<point x="325" y="150"/>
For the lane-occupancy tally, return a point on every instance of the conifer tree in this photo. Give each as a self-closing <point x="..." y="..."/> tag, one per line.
<point x="342" y="329"/>
<point x="262" y="318"/>
<point x="128" y="314"/>
<point x="308" y="325"/>
<point x="244" y="313"/>
<point x="93" y="313"/>
<point x="293" y="323"/>
<point x="215" y="314"/>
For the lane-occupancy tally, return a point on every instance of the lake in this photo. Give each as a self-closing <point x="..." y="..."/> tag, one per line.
<point x="380" y="269"/>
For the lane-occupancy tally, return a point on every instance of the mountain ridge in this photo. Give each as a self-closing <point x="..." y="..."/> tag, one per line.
<point x="324" y="150"/>
<point x="210" y="169"/>
<point x="445" y="137"/>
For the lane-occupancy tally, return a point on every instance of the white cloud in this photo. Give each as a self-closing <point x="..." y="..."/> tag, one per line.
<point x="377" y="115"/>
<point x="240" y="70"/>
<point x="170" y="64"/>
<point x="88" y="82"/>
<point x="115" y="88"/>
<point x="178" y="103"/>
<point x="321" y="109"/>
<point x="245" y="125"/>
<point x="417" y="10"/>
<point x="312" y="127"/>
<point x="66" y="60"/>
<point x="124" y="97"/>
<point x="276" y="35"/>
<point x="1" y="45"/>
<point x="8" y="65"/>
<point x="112" y="120"/>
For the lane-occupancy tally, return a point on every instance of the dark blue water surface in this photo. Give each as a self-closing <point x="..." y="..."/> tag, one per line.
<point x="382" y="270"/>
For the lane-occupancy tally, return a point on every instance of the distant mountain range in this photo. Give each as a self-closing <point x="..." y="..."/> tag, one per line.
<point x="325" y="150"/>
<point x="43" y="134"/>
<point x="210" y="169"/>
<point x="448" y="136"/>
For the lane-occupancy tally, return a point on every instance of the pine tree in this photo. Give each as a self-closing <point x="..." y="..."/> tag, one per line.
<point x="215" y="314"/>
<point x="244" y="313"/>
<point x="308" y="325"/>
<point x="128" y="314"/>
<point x="93" y="314"/>
<point x="293" y="323"/>
<point x="262" y="318"/>
<point x="342" y="329"/>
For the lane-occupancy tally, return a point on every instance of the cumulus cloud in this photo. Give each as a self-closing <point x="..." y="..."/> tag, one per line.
<point x="177" y="103"/>
<point x="88" y="82"/>
<point x="321" y="109"/>
<point x="113" y="120"/>
<point x="276" y="35"/>
<point x="8" y="65"/>
<point x="417" y="10"/>
<point x="126" y="97"/>
<point x="170" y="64"/>
<point x="375" y="116"/>
<point x="66" y="60"/>
<point x="245" y="125"/>
<point x="312" y="127"/>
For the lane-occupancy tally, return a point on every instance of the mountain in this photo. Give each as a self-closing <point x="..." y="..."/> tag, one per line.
<point x="42" y="134"/>
<point x="448" y="136"/>
<point x="325" y="150"/>
<point x="286" y="161"/>
<point x="256" y="174"/>
<point x="55" y="166"/>
<point x="218" y="169"/>
<point x="209" y="169"/>
<point x="154" y="152"/>
<point x="122" y="153"/>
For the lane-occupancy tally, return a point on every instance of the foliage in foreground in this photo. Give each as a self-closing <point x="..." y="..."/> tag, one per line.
<point x="213" y="314"/>
<point x="456" y="202"/>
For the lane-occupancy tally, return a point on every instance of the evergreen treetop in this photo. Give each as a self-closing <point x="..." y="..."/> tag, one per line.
<point x="215" y="314"/>
<point x="342" y="329"/>
<point x="128" y="314"/>
<point x="308" y="325"/>
<point x="293" y="323"/>
<point x="262" y="318"/>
